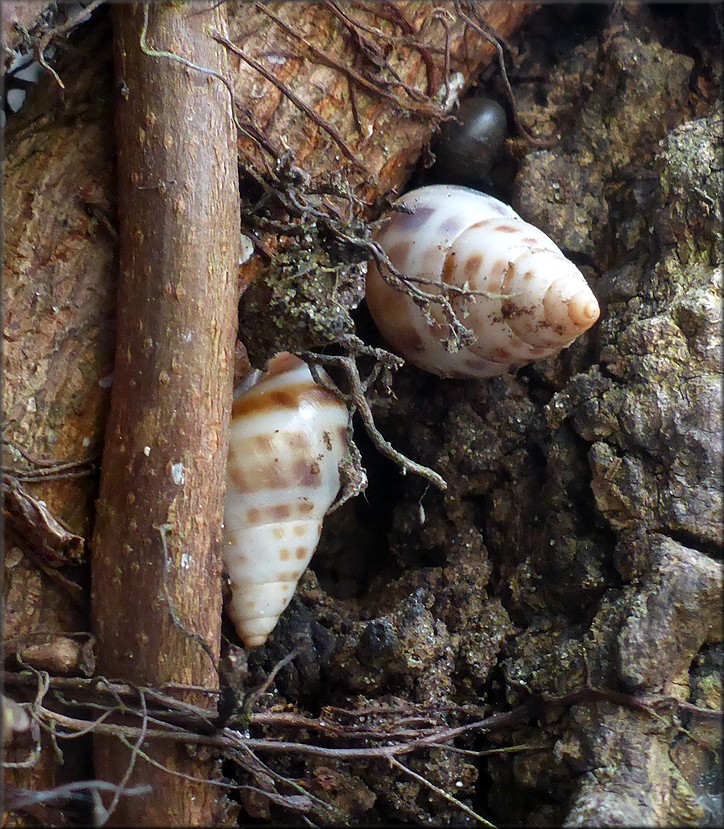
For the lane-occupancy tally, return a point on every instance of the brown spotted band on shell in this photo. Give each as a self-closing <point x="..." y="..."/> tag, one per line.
<point x="287" y="438"/>
<point x="537" y="302"/>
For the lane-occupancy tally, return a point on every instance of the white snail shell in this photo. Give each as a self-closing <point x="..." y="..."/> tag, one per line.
<point x="467" y="239"/>
<point x="287" y="438"/>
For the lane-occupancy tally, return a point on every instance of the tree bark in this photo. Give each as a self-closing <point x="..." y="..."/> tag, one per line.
<point x="584" y="500"/>
<point x="318" y="55"/>
<point x="156" y="574"/>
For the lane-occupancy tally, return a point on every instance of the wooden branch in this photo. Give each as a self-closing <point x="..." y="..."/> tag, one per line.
<point x="156" y="573"/>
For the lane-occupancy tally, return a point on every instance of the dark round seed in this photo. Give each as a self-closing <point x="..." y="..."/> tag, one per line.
<point x="466" y="151"/>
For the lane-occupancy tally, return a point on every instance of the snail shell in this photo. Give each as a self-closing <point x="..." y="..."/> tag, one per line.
<point x="287" y="438"/>
<point x="468" y="146"/>
<point x="538" y="300"/>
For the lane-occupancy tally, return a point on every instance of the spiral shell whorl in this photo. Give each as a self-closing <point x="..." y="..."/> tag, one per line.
<point x="539" y="300"/>
<point x="287" y="438"/>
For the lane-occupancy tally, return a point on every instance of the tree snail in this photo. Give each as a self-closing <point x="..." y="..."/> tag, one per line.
<point x="469" y="144"/>
<point x="537" y="302"/>
<point x="287" y="438"/>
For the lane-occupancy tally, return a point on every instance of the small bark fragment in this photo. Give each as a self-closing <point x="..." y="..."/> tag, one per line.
<point x="156" y="597"/>
<point x="31" y="519"/>
<point x="671" y="618"/>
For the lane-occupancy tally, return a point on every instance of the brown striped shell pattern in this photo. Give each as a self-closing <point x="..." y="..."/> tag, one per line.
<point x="537" y="301"/>
<point x="287" y="438"/>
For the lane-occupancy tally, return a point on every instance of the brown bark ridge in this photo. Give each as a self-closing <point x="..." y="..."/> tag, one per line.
<point x="59" y="279"/>
<point x="156" y="572"/>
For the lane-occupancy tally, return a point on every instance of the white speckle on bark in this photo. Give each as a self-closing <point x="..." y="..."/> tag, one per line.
<point x="178" y="473"/>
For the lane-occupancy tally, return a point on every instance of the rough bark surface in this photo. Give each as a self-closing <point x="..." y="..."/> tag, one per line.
<point x="156" y="567"/>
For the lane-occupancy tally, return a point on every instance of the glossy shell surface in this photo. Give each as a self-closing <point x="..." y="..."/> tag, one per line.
<point x="469" y="144"/>
<point x="537" y="301"/>
<point x="287" y="438"/>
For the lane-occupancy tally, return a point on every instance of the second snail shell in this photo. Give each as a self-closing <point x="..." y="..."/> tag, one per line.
<point x="537" y="302"/>
<point x="287" y="438"/>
